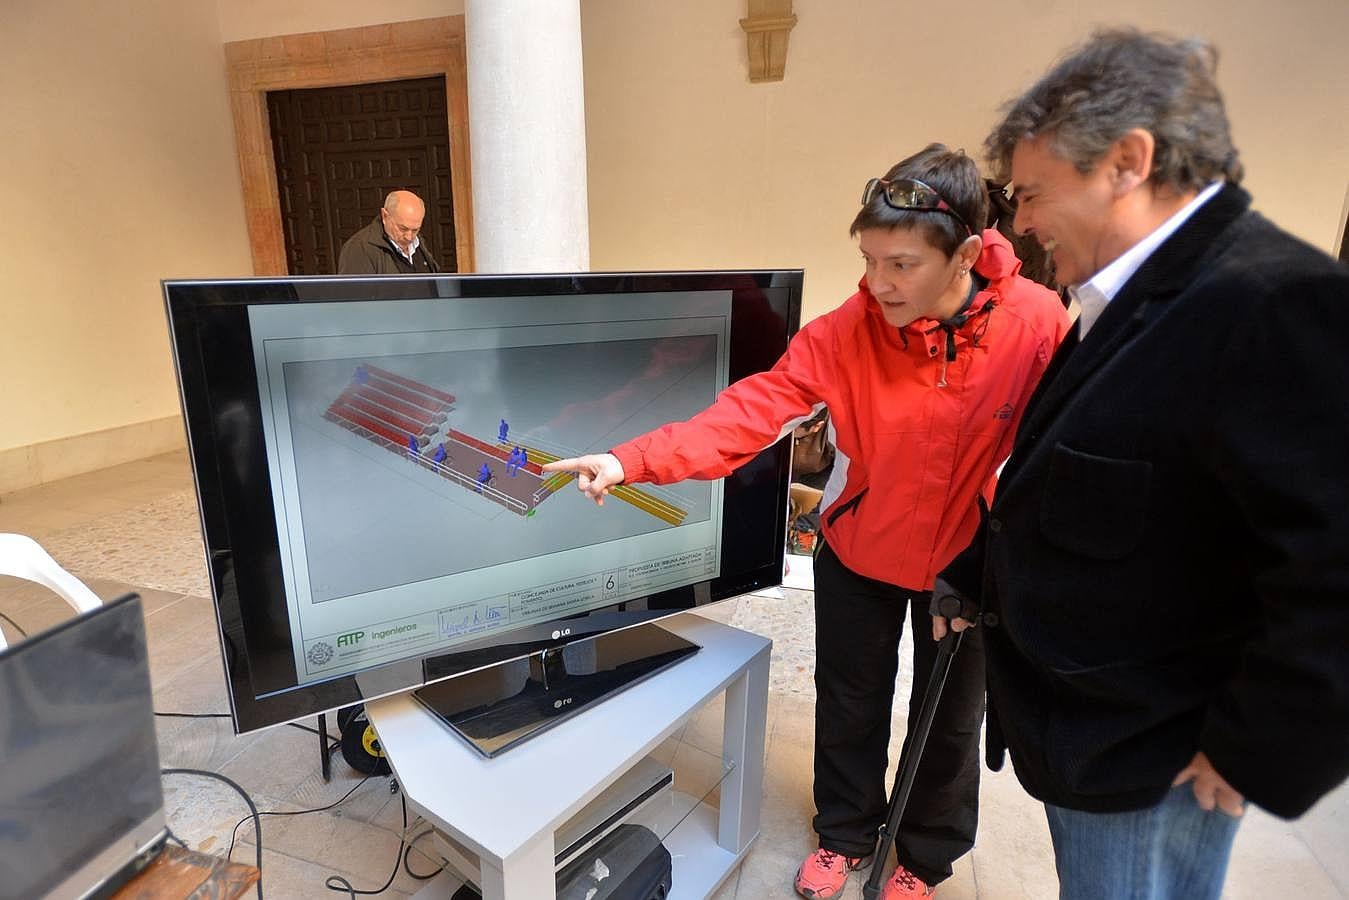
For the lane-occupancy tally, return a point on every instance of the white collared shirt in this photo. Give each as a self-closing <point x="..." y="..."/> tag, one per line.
<point x="412" y="248"/>
<point x="1094" y="293"/>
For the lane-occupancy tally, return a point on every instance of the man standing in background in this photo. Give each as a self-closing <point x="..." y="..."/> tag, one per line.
<point x="391" y="244"/>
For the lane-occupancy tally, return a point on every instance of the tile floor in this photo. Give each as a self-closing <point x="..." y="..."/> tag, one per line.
<point x="134" y="526"/>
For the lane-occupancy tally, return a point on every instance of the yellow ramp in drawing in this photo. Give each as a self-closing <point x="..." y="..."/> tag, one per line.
<point x="646" y="501"/>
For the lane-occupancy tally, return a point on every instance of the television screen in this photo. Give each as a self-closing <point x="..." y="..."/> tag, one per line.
<point x="368" y="456"/>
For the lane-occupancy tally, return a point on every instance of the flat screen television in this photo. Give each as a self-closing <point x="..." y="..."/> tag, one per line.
<point x="367" y="458"/>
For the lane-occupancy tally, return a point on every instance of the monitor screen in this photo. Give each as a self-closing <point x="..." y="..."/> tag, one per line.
<point x="368" y="459"/>
<point x="80" y="792"/>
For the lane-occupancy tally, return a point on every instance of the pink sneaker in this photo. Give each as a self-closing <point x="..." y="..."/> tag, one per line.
<point x="904" y="884"/>
<point x="824" y="873"/>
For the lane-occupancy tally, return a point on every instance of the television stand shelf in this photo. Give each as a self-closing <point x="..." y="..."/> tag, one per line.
<point x="505" y="810"/>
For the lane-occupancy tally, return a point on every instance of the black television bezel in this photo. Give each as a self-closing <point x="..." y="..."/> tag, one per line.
<point x="237" y="511"/>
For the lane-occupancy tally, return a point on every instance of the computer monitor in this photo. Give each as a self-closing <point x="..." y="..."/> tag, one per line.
<point x="367" y="456"/>
<point x="81" y="802"/>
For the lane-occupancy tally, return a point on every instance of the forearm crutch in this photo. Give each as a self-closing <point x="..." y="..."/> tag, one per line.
<point x="908" y="767"/>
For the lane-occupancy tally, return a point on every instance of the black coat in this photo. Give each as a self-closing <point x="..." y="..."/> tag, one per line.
<point x="370" y="252"/>
<point x="1168" y="550"/>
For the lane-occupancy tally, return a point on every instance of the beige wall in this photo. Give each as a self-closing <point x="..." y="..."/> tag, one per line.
<point x="118" y="170"/>
<point x="691" y="165"/>
<point x="119" y="165"/>
<point x="245" y="19"/>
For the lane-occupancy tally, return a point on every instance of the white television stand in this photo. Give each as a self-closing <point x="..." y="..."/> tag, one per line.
<point x="505" y="811"/>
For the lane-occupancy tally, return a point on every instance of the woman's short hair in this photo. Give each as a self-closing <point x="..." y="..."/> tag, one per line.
<point x="1118" y="80"/>
<point x="951" y="174"/>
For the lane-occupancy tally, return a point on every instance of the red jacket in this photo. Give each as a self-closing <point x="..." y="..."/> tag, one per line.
<point x="919" y="436"/>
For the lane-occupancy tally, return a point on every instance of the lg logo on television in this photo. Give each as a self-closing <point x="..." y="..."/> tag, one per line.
<point x="561" y="633"/>
<point x="558" y="704"/>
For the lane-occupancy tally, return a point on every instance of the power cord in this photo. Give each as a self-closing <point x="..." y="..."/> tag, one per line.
<point x="339" y="884"/>
<point x="336" y="742"/>
<point x="257" y="820"/>
<point x="407" y="851"/>
<point x="299" y="812"/>
<point x="334" y="882"/>
<point x="178" y="715"/>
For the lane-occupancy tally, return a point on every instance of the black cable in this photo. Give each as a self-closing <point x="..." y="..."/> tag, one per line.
<point x="14" y="625"/>
<point x="257" y="820"/>
<point x="183" y="715"/>
<point x="178" y="715"/>
<point x="407" y="851"/>
<point x="175" y="838"/>
<point x="299" y="812"/>
<point x="338" y="883"/>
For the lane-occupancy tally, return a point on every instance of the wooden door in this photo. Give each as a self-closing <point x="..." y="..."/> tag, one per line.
<point x="340" y="150"/>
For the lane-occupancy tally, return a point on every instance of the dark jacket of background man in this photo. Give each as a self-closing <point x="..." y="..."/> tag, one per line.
<point x="1186" y="463"/>
<point x="371" y="252"/>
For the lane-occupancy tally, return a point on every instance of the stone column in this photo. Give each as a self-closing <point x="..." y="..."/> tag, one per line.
<point x="526" y="110"/>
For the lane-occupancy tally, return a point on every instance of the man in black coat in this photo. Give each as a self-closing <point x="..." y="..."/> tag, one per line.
<point x="391" y="244"/>
<point x="1164" y="570"/>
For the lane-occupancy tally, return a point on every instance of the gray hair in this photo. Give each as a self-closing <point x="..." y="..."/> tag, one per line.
<point x="1121" y="79"/>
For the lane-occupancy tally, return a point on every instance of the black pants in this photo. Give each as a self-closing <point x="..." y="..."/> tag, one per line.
<point x="857" y="627"/>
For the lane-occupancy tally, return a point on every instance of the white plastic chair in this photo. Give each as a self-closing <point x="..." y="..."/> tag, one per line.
<point x="23" y="557"/>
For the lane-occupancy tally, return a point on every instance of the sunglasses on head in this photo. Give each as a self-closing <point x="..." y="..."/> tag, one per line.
<point x="910" y="193"/>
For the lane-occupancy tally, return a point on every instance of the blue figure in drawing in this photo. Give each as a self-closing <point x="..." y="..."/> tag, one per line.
<point x="362" y="375"/>
<point x="502" y="430"/>
<point x="484" y="476"/>
<point x="439" y="456"/>
<point x="513" y="462"/>
<point x="412" y="445"/>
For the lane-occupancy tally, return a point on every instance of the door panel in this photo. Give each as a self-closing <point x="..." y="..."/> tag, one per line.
<point x="340" y="150"/>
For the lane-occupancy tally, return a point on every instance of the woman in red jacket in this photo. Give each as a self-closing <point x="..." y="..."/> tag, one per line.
<point x="925" y="372"/>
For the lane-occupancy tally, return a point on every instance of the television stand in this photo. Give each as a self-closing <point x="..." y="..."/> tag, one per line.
<point x="505" y="811"/>
<point x="496" y="708"/>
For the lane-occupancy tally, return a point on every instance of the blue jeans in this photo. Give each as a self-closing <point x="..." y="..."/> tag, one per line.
<point x="1171" y="851"/>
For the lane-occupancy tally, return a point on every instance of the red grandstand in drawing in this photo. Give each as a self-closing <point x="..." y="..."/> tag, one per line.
<point x="411" y="420"/>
